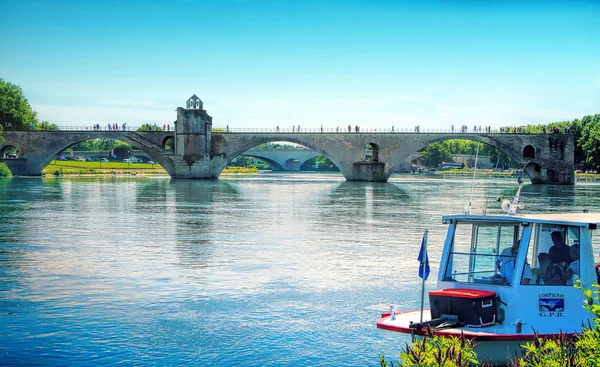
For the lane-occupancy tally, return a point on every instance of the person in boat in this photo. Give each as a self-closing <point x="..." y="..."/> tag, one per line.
<point x="507" y="255"/>
<point x="571" y="272"/>
<point x="507" y="269"/>
<point x="559" y="258"/>
<point x="560" y="252"/>
<point x="542" y="259"/>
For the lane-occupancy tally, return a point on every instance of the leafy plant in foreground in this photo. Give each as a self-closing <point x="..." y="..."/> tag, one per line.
<point x="437" y="351"/>
<point x="4" y="171"/>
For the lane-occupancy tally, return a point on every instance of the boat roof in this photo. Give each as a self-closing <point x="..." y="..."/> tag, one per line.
<point x="575" y="219"/>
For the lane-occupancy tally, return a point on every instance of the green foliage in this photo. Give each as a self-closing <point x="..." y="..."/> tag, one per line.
<point x="1" y="137"/>
<point x="592" y="299"/>
<point x="243" y="161"/>
<point x="547" y="352"/>
<point x="4" y="171"/>
<point x="435" y="154"/>
<point x="118" y="147"/>
<point x="439" y="351"/>
<point x="46" y="126"/>
<point x="562" y="351"/>
<point x="236" y="170"/>
<point x="319" y="163"/>
<point x="14" y="108"/>
<point x="170" y="144"/>
<point x="586" y="133"/>
<point x="149" y="127"/>
<point x="277" y="146"/>
<point x="122" y="149"/>
<point x="384" y="362"/>
<point x="587" y="348"/>
<point x="589" y="140"/>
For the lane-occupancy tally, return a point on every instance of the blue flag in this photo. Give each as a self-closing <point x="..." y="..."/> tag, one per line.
<point x="423" y="262"/>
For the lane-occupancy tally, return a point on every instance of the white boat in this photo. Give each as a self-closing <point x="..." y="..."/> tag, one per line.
<point x="498" y="299"/>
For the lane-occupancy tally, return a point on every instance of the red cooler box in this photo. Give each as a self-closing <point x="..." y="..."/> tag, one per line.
<point x="472" y="306"/>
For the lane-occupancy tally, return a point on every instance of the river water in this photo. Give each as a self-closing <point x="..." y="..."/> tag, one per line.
<point x="258" y="270"/>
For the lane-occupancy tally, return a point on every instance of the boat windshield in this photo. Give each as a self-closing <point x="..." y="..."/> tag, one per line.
<point x="484" y="253"/>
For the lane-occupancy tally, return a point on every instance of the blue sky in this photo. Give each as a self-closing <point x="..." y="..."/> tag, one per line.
<point x="259" y="64"/>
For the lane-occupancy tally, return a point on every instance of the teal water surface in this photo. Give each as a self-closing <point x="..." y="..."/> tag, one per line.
<point x="262" y="270"/>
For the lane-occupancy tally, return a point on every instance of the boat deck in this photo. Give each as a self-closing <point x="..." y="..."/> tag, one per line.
<point x="498" y="332"/>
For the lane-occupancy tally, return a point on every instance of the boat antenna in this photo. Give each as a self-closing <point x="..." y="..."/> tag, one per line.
<point x="487" y="197"/>
<point x="511" y="207"/>
<point x="468" y="208"/>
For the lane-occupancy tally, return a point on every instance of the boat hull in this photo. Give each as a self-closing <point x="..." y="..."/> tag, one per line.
<point x="495" y="344"/>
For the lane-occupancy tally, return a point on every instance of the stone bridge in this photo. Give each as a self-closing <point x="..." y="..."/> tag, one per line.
<point x="546" y="158"/>
<point x="201" y="153"/>
<point x="36" y="149"/>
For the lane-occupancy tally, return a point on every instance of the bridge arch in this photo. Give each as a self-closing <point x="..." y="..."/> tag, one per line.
<point x="372" y="152"/>
<point x="7" y="151"/>
<point x="228" y="150"/>
<point x="274" y="164"/>
<point x="38" y="148"/>
<point x="418" y="142"/>
<point x="169" y="140"/>
<point x="511" y="153"/>
<point x="529" y="151"/>
<point x="534" y="171"/>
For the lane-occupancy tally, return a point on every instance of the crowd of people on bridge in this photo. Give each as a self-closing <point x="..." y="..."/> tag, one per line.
<point x="356" y="128"/>
<point x="111" y="127"/>
<point x="123" y="127"/>
<point x="465" y="129"/>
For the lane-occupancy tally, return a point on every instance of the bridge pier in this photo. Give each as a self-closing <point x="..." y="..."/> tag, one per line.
<point x="369" y="172"/>
<point x="20" y="167"/>
<point x="193" y="134"/>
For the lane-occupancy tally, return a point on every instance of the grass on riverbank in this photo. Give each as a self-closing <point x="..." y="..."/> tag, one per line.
<point x="120" y="168"/>
<point x="100" y="168"/>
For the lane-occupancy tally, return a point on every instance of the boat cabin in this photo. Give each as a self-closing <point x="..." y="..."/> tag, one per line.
<point x="531" y="262"/>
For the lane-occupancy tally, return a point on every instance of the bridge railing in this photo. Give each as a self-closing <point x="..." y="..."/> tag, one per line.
<point x="349" y="131"/>
<point x="287" y="130"/>
<point x="106" y="128"/>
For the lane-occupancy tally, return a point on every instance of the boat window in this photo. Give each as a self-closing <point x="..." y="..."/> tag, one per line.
<point x="479" y="250"/>
<point x="555" y="258"/>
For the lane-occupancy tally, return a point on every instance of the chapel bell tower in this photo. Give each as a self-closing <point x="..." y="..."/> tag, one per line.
<point x="193" y="132"/>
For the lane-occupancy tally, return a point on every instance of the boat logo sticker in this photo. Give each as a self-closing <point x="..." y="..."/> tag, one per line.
<point x="552" y="304"/>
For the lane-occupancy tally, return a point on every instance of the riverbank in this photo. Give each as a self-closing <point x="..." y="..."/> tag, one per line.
<point x="68" y="168"/>
<point x="488" y="173"/>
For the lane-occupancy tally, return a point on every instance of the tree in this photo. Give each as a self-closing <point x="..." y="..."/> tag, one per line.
<point x="590" y="140"/>
<point x="435" y="154"/>
<point x="15" y="111"/>
<point x="149" y="127"/>
<point x="45" y="125"/>
<point x="319" y="163"/>
<point x="122" y="149"/>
